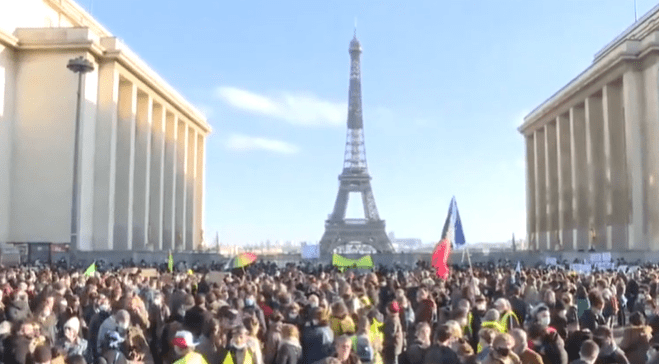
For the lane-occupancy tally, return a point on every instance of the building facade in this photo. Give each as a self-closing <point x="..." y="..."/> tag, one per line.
<point x="142" y="145"/>
<point x="592" y="152"/>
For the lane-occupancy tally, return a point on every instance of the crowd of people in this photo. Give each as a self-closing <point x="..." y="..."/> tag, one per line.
<point x="308" y="315"/>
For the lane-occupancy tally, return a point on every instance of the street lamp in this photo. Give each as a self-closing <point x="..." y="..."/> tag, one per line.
<point x="79" y="65"/>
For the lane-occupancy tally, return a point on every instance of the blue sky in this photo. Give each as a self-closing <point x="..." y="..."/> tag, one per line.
<point x="445" y="84"/>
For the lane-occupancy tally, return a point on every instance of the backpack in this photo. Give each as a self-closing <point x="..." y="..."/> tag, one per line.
<point x="363" y="349"/>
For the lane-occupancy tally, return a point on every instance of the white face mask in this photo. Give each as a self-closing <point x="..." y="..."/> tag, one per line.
<point x="544" y="321"/>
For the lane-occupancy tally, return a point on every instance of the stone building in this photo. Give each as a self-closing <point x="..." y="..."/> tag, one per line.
<point x="142" y="145"/>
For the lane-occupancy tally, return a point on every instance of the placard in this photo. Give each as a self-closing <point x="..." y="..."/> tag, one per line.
<point x="581" y="268"/>
<point x="595" y="257"/>
<point x="604" y="265"/>
<point x="622" y="268"/>
<point x="551" y="261"/>
<point x="606" y="257"/>
<point x="149" y="272"/>
<point x="216" y="277"/>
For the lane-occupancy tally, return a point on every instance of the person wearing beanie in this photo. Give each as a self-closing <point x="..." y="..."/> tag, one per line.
<point x="184" y="346"/>
<point x="71" y="343"/>
<point x="393" y="334"/>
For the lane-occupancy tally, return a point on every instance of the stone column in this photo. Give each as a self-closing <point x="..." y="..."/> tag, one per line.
<point x="530" y="192"/>
<point x="123" y="217"/>
<point x="105" y="157"/>
<point x="595" y="156"/>
<point x="565" y="211"/>
<point x="181" y="188"/>
<point x="142" y="170"/>
<point x="199" y="190"/>
<point x="540" y="189"/>
<point x="156" y="195"/>
<point x="579" y="176"/>
<point x="551" y="174"/>
<point x="618" y="200"/>
<point x="632" y="89"/>
<point x="190" y="176"/>
<point x="169" y="196"/>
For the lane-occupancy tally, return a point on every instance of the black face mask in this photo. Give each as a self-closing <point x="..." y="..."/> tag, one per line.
<point x="503" y="351"/>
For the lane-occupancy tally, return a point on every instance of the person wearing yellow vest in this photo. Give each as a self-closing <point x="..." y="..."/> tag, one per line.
<point x="509" y="319"/>
<point x="490" y="321"/>
<point x="184" y="347"/>
<point x="239" y="350"/>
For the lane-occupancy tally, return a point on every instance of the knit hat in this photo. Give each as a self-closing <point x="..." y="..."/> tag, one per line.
<point x="183" y="339"/>
<point x="73" y="323"/>
<point x="394" y="307"/>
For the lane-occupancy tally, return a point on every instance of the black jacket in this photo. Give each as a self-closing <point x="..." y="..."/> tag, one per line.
<point x="316" y="343"/>
<point x="288" y="353"/>
<point x="439" y="354"/>
<point x="590" y="320"/>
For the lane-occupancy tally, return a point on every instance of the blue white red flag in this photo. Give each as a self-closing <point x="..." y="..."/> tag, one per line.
<point x="453" y="226"/>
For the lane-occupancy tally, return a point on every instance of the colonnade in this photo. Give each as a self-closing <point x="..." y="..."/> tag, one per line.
<point x="152" y="171"/>
<point x="584" y="172"/>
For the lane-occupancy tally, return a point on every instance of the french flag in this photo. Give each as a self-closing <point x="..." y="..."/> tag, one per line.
<point x="452" y="237"/>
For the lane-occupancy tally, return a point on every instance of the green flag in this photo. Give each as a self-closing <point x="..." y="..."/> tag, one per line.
<point x="170" y="262"/>
<point x="90" y="270"/>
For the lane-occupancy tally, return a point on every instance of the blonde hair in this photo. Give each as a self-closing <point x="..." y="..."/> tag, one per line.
<point x="290" y="332"/>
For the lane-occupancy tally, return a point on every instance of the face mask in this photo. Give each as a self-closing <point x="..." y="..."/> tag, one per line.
<point x="544" y="321"/>
<point x="503" y="351"/>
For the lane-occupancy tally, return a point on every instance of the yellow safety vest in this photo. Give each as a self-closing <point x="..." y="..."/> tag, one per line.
<point x="467" y="330"/>
<point x="490" y="325"/>
<point x="504" y="320"/>
<point x="195" y="358"/>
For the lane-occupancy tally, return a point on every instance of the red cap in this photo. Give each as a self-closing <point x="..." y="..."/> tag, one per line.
<point x="393" y="307"/>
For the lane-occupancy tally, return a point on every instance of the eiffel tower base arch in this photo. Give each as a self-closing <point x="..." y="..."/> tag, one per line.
<point x="341" y="233"/>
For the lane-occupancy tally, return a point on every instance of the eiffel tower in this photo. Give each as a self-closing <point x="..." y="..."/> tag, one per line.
<point x="369" y="230"/>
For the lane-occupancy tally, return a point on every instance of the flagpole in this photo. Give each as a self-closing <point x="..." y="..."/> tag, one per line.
<point x="471" y="270"/>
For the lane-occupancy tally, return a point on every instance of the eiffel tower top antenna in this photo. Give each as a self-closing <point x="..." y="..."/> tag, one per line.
<point x="355" y="27"/>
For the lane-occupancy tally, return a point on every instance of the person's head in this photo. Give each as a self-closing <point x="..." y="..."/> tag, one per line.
<point x="486" y="336"/>
<point x="240" y="335"/>
<point x="393" y="308"/>
<point x="421" y="294"/>
<point x="343" y="346"/>
<point x="491" y="315"/>
<point x="76" y="359"/>
<point x="72" y="329"/>
<point x="290" y="332"/>
<point x="463" y="349"/>
<point x="502" y="346"/>
<point x="589" y="351"/>
<point x="481" y="303"/>
<point x="122" y="317"/>
<point x="521" y="341"/>
<point x="502" y="305"/>
<point x="444" y="335"/>
<point x="543" y="316"/>
<point x="28" y="329"/>
<point x="637" y="319"/>
<point x="42" y="354"/>
<point x="183" y="342"/>
<point x="596" y="300"/>
<point x="251" y="324"/>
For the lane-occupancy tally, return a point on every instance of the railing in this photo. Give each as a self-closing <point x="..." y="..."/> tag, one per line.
<point x="356" y="221"/>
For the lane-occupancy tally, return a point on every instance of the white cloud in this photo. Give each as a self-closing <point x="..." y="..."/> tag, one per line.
<point x="296" y="109"/>
<point x="240" y="142"/>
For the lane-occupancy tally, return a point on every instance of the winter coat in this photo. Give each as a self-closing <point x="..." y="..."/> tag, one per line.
<point x="272" y="339"/>
<point x="18" y="311"/>
<point x="17" y="348"/>
<point x="529" y="356"/>
<point x="553" y="349"/>
<point x="316" y="343"/>
<point x="635" y="343"/>
<point x="289" y="353"/>
<point x="414" y="354"/>
<point x="426" y="312"/>
<point x="80" y="347"/>
<point x="590" y="320"/>
<point x="393" y="339"/>
<point x="439" y="354"/>
<point x="611" y="355"/>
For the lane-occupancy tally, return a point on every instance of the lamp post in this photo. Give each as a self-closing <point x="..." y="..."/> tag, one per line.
<point x="79" y="65"/>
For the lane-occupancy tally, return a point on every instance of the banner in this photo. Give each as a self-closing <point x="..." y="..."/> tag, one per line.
<point x="581" y="268"/>
<point x="343" y="262"/>
<point x="551" y="261"/>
